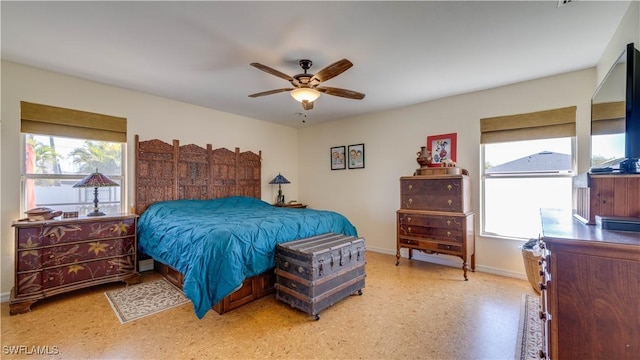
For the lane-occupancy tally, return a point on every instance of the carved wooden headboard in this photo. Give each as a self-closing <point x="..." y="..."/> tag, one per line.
<point x="171" y="172"/>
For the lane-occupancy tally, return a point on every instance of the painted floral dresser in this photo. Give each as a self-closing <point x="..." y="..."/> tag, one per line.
<point x="57" y="256"/>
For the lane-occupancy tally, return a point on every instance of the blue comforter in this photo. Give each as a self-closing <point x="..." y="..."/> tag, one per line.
<point x="218" y="243"/>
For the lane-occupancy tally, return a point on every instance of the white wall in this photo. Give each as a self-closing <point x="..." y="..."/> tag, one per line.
<point x="628" y="32"/>
<point x="149" y="116"/>
<point x="370" y="196"/>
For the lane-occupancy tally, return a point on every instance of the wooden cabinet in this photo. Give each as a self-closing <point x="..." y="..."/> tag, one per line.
<point x="56" y="256"/>
<point x="435" y="217"/>
<point x="607" y="195"/>
<point x="591" y="290"/>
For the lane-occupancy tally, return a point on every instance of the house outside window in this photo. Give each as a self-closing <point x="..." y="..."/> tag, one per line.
<point x="528" y="164"/>
<point x="61" y="147"/>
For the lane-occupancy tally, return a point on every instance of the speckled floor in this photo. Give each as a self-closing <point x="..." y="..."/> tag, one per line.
<point x="416" y="310"/>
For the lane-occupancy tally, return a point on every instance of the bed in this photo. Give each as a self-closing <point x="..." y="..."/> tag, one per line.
<point x="203" y="223"/>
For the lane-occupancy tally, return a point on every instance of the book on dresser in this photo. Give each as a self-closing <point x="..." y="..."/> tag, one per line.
<point x="435" y="216"/>
<point x="57" y="256"/>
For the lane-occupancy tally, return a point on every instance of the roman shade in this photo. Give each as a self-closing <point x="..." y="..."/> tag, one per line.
<point x="530" y="126"/>
<point x="57" y="121"/>
<point x="608" y="118"/>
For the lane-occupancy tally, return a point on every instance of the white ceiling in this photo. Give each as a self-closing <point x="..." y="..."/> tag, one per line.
<point x="403" y="52"/>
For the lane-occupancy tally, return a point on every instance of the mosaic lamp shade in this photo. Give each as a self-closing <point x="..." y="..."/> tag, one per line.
<point x="95" y="180"/>
<point x="279" y="180"/>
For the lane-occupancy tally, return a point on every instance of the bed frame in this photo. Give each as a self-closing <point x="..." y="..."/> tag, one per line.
<point x="173" y="171"/>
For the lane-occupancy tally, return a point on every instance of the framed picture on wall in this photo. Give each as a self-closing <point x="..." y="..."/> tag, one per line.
<point x="337" y="158"/>
<point x="442" y="147"/>
<point x="356" y="156"/>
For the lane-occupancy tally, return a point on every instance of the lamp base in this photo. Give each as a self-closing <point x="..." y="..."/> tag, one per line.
<point x="96" y="213"/>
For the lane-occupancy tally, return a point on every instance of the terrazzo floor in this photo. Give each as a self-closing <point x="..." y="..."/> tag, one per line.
<point x="417" y="310"/>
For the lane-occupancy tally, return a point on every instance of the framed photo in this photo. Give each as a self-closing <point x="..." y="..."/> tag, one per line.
<point x="442" y="147"/>
<point x="337" y="158"/>
<point x="356" y="156"/>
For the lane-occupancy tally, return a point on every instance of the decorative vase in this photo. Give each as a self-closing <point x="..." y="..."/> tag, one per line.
<point x="424" y="157"/>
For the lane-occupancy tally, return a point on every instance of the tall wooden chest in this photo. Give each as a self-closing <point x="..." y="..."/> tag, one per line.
<point x="315" y="273"/>
<point x="435" y="217"/>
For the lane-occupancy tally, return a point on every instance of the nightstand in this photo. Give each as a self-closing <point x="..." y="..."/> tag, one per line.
<point x="295" y="205"/>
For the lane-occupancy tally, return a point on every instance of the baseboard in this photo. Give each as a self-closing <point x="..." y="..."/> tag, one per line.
<point x="145" y="265"/>
<point x="4" y="297"/>
<point x="451" y="261"/>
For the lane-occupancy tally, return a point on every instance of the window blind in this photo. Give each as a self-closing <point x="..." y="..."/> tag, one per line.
<point x="608" y="118"/>
<point x="57" y="121"/>
<point x="530" y="126"/>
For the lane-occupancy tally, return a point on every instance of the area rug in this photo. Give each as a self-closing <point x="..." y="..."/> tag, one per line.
<point x="137" y="301"/>
<point x="530" y="329"/>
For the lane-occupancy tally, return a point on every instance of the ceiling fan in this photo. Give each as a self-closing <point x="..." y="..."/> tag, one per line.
<point x="306" y="87"/>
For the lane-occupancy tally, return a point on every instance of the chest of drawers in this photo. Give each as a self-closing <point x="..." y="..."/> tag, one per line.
<point x="435" y="217"/>
<point x="590" y="290"/>
<point x="56" y="256"/>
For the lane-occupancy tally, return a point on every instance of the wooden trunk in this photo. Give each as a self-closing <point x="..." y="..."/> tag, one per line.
<point x="314" y="273"/>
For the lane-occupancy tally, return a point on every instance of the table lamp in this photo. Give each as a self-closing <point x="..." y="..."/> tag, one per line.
<point x="95" y="180"/>
<point x="280" y="180"/>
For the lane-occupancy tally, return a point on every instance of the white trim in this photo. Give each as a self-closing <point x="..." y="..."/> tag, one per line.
<point x="4" y="297"/>
<point x="145" y="265"/>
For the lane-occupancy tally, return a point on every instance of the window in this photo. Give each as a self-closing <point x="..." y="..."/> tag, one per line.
<point x="520" y="178"/>
<point x="54" y="164"/>
<point x="62" y="146"/>
<point x="528" y="165"/>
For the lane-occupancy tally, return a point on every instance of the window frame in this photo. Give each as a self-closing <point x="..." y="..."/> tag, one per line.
<point x="531" y="175"/>
<point x="122" y="179"/>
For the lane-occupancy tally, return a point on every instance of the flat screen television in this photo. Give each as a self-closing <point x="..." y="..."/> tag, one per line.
<point x="615" y="117"/>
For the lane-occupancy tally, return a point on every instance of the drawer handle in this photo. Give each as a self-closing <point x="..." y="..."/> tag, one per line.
<point x="542" y="315"/>
<point x="300" y="269"/>
<point x="292" y="285"/>
<point x="50" y="278"/>
<point x="449" y="222"/>
<point x="410" y="201"/>
<point x="285" y="265"/>
<point x="449" y="187"/>
<point x="448" y="233"/>
<point x="410" y="187"/>
<point x="409" y="229"/>
<point x="51" y="256"/>
<point x="449" y="202"/>
<point x="409" y="219"/>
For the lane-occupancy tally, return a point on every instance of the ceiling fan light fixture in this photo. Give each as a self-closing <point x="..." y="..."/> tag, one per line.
<point x="302" y="94"/>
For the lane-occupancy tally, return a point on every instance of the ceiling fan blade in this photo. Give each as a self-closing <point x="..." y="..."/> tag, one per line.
<point x="332" y="70"/>
<point x="270" y="92"/>
<point x="307" y="105"/>
<point x="272" y="71"/>
<point x="349" y="94"/>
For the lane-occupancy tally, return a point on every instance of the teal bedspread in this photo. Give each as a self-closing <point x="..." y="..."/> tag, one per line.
<point x="218" y="243"/>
